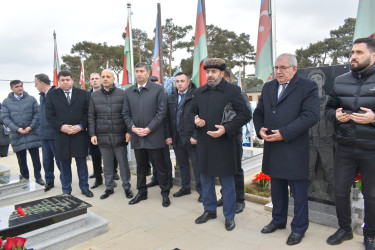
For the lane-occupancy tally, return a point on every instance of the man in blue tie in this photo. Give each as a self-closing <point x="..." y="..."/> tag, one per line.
<point x="287" y="109"/>
<point x="181" y="133"/>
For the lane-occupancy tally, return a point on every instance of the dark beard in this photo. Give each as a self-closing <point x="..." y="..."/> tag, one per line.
<point x="361" y="66"/>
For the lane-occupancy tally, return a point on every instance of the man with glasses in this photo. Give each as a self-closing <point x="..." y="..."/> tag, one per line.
<point x="287" y="109"/>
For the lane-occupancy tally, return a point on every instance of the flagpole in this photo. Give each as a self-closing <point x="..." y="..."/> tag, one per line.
<point x="161" y="61"/>
<point x="273" y="16"/>
<point x="131" y="42"/>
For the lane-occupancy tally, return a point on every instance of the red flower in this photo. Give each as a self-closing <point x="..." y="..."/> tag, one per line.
<point x="358" y="178"/>
<point x="12" y="242"/>
<point x="1" y="242"/>
<point x="19" y="209"/>
<point x="22" y="213"/>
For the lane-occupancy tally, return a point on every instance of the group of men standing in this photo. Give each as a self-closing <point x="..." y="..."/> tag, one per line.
<point x="201" y="125"/>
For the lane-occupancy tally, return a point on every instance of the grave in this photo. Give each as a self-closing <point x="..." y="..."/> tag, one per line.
<point x="55" y="222"/>
<point x="14" y="188"/>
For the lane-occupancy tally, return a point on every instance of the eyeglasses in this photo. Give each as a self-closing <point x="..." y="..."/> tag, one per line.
<point x="282" y="67"/>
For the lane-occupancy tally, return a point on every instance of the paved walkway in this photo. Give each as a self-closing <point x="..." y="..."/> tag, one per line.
<point x="148" y="225"/>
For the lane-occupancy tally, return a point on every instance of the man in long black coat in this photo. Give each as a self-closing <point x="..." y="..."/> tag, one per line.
<point x="216" y="146"/>
<point x="66" y="112"/>
<point x="287" y="108"/>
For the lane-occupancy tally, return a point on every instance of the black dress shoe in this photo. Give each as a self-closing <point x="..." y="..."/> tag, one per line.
<point x="229" y="224"/>
<point x="294" y="239"/>
<point x="270" y="228"/>
<point x="166" y="202"/>
<point x="200" y="198"/>
<point x="40" y="182"/>
<point x="92" y="176"/>
<point x="128" y="193"/>
<point x="369" y="243"/>
<point x="152" y="184"/>
<point x="220" y="202"/>
<point x="106" y="194"/>
<point x="339" y="236"/>
<point x="239" y="207"/>
<point x="49" y="187"/>
<point x="116" y="176"/>
<point x="87" y="193"/>
<point x="96" y="184"/>
<point x="182" y="192"/>
<point x="139" y="197"/>
<point x="205" y="217"/>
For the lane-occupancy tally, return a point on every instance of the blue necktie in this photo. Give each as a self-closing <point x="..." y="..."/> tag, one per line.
<point x="181" y="97"/>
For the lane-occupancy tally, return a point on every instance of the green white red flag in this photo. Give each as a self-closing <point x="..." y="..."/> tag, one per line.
<point x="56" y="64"/>
<point x="365" y="23"/>
<point x="127" y="71"/>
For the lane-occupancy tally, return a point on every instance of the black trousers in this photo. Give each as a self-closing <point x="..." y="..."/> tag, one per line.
<point x="349" y="159"/>
<point x="142" y="159"/>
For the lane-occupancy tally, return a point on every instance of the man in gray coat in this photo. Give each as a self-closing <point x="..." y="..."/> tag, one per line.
<point x="21" y="115"/>
<point x="144" y="111"/>
<point x="108" y="130"/>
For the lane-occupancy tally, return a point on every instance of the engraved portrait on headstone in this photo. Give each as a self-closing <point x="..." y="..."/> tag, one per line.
<point x="322" y="143"/>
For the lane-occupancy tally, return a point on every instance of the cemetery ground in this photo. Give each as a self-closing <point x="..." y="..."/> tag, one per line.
<point x="148" y="225"/>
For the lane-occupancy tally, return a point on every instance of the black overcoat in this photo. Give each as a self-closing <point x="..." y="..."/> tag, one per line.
<point x="217" y="156"/>
<point x="60" y="112"/>
<point x="293" y="114"/>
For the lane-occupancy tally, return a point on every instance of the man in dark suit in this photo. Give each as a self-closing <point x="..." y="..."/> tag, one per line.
<point x="46" y="132"/>
<point x="181" y="133"/>
<point x="216" y="146"/>
<point x="287" y="108"/>
<point x="144" y="111"/>
<point x="66" y="112"/>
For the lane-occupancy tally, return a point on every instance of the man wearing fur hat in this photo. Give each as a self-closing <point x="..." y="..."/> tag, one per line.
<point x="216" y="146"/>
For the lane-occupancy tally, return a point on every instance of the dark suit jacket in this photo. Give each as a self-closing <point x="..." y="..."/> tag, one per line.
<point x="60" y="112"/>
<point x="293" y="114"/>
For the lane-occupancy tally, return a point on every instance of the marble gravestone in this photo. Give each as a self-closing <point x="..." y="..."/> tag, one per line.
<point x="39" y="214"/>
<point x="322" y="146"/>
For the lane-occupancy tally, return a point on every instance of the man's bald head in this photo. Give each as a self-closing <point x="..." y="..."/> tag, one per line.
<point x="108" y="78"/>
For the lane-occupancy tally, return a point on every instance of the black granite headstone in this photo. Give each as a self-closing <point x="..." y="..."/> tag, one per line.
<point x="322" y="144"/>
<point x="40" y="213"/>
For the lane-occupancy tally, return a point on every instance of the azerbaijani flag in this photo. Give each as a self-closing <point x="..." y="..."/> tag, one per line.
<point x="82" y="78"/>
<point x="200" y="48"/>
<point x="127" y="71"/>
<point x="264" y="60"/>
<point x="365" y="24"/>
<point x="56" y="64"/>
<point x="156" y="58"/>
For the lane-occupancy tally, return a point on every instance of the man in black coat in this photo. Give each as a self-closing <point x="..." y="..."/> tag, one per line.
<point x="46" y="132"/>
<point x="181" y="133"/>
<point x="66" y="112"/>
<point x="144" y="112"/>
<point x="216" y="144"/>
<point x="287" y="108"/>
<point x="108" y="130"/>
<point x="351" y="107"/>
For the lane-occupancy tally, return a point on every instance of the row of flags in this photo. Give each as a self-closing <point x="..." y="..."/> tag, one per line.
<point x="265" y="53"/>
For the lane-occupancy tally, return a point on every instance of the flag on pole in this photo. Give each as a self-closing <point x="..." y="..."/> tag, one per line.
<point x="365" y="24"/>
<point x="239" y="83"/>
<point x="56" y="64"/>
<point x="82" y="78"/>
<point x="200" y="47"/>
<point x="127" y="70"/>
<point x="264" y="60"/>
<point x="157" y="60"/>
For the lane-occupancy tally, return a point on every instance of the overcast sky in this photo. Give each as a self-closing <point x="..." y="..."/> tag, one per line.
<point x="26" y="27"/>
